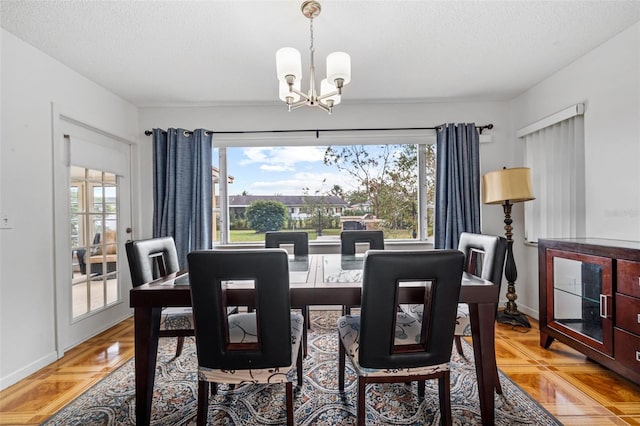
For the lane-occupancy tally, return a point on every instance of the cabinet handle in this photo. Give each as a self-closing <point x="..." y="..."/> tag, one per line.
<point x="638" y="318"/>
<point x="604" y="311"/>
<point x="638" y="356"/>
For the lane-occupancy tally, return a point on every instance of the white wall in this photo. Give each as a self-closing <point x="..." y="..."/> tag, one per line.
<point x="607" y="80"/>
<point x="30" y="82"/>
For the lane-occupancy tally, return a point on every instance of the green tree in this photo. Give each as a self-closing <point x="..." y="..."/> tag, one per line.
<point x="400" y="190"/>
<point x="386" y="177"/>
<point x="366" y="164"/>
<point x="266" y="215"/>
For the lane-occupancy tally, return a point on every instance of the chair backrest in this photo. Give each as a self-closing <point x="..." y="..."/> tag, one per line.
<point x="209" y="274"/>
<point x="349" y="239"/>
<point x="300" y="241"/>
<point x="151" y="259"/>
<point x="384" y="272"/>
<point x="491" y="251"/>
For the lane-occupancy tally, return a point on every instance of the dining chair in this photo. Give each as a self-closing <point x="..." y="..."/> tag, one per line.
<point x="151" y="259"/>
<point x="349" y="239"/>
<point x="386" y="345"/>
<point x="261" y="346"/>
<point x="299" y="240"/>
<point x="484" y="257"/>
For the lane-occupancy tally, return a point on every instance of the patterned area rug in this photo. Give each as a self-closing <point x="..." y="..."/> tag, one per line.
<point x="318" y="402"/>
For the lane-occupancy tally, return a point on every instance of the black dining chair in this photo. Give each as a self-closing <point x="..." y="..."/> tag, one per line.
<point x="349" y="239"/>
<point x="254" y="347"/>
<point x="484" y="257"/>
<point x="386" y="345"/>
<point x="151" y="259"/>
<point x="299" y="240"/>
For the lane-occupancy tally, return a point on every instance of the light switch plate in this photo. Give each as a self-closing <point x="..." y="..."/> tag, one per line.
<point x="5" y="221"/>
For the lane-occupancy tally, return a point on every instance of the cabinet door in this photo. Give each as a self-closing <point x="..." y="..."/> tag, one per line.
<point x="580" y="298"/>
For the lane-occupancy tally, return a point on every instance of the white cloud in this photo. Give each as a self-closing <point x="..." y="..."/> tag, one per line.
<point x="276" y="168"/>
<point x="284" y="157"/>
<point x="321" y="182"/>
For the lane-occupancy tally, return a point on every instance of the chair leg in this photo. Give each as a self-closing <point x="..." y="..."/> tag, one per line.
<point x="203" y="402"/>
<point x="444" y="391"/>
<point x="299" y="367"/>
<point x="458" y="341"/>
<point x="289" y="387"/>
<point x="362" y="386"/>
<point x="179" y="346"/>
<point x="421" y="388"/>
<point x="498" y="386"/>
<point x="341" y="362"/>
<point x="307" y="316"/>
<point x="304" y="340"/>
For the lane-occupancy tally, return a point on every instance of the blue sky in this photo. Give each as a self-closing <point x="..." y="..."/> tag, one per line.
<point x="282" y="170"/>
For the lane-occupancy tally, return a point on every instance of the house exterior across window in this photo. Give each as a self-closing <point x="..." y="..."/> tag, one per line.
<point x="300" y="207"/>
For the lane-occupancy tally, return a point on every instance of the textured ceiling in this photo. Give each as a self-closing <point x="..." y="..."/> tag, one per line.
<point x="156" y="53"/>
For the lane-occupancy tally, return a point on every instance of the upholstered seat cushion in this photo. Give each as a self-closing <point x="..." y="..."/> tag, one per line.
<point x="176" y="319"/>
<point x="242" y="329"/>
<point x="463" y="323"/>
<point x="407" y="332"/>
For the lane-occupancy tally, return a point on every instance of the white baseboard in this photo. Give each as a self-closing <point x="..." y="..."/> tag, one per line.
<point x="524" y="309"/>
<point x="16" y="376"/>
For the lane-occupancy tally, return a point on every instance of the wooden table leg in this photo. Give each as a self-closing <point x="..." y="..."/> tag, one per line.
<point x="483" y="335"/>
<point x="146" y="328"/>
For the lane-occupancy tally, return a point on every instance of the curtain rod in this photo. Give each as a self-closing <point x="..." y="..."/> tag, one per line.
<point x="318" y="131"/>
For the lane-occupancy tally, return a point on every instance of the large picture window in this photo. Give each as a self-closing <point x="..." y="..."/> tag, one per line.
<point x="323" y="189"/>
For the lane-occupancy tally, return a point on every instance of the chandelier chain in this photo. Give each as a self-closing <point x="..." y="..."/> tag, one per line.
<point x="311" y="31"/>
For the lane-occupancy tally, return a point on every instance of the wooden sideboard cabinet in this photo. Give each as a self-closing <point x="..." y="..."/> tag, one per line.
<point x="590" y="299"/>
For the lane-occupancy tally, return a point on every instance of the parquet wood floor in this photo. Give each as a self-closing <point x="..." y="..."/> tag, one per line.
<point x="574" y="389"/>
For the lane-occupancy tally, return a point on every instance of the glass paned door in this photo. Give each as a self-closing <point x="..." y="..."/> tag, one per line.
<point x="94" y="240"/>
<point x="581" y="304"/>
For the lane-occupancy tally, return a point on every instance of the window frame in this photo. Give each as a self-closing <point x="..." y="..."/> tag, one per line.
<point x="419" y="137"/>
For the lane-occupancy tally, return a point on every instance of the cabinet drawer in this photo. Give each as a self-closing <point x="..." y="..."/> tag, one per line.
<point x="628" y="278"/>
<point x="628" y="313"/>
<point x="627" y="349"/>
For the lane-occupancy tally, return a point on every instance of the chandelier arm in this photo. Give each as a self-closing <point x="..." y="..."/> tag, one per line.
<point x="297" y="105"/>
<point x="302" y="94"/>
<point x="328" y="95"/>
<point x="323" y="106"/>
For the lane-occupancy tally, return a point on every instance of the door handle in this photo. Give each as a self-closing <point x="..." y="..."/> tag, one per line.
<point x="604" y="308"/>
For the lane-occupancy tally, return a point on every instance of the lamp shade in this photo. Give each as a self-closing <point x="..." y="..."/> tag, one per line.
<point x="285" y="93"/>
<point x="288" y="62"/>
<point x="513" y="185"/>
<point x="339" y="66"/>
<point x="326" y="87"/>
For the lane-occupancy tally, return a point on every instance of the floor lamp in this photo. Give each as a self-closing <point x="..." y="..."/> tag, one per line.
<point x="508" y="186"/>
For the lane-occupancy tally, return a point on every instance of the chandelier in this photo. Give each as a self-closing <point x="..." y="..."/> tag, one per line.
<point x="289" y="70"/>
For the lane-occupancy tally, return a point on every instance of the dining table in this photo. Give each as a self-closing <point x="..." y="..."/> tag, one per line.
<point x="317" y="279"/>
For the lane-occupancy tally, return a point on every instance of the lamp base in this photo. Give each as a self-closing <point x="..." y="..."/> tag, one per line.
<point x="517" y="319"/>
